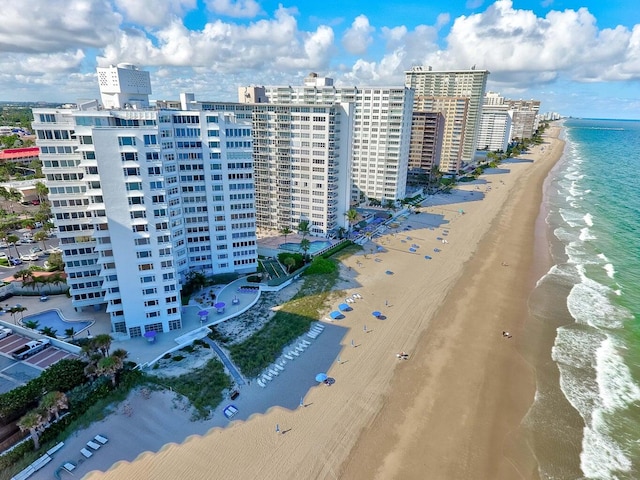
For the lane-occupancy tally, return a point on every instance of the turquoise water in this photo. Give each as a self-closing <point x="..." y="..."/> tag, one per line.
<point x="52" y="318"/>
<point x="594" y="216"/>
<point x="314" y="247"/>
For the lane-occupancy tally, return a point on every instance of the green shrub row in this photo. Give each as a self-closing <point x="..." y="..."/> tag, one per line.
<point x="61" y="376"/>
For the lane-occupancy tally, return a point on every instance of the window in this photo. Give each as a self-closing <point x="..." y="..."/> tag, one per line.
<point x="150" y="139"/>
<point x="122" y="141"/>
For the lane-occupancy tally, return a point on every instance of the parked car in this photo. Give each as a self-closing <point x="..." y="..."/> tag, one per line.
<point x="15" y="261"/>
<point x="31" y="257"/>
<point x="5" y="332"/>
<point x="28" y="240"/>
<point x="38" y="224"/>
<point x="4" y="244"/>
<point x="37" y="250"/>
<point x="4" y="255"/>
<point x="35" y="202"/>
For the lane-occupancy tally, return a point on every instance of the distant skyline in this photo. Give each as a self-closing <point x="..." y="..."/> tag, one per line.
<point x="580" y="58"/>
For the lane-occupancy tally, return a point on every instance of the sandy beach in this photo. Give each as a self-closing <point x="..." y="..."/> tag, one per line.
<point x="453" y="409"/>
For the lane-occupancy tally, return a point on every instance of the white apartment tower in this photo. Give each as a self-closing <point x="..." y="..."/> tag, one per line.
<point x="461" y="133"/>
<point x="495" y="128"/>
<point x="140" y="198"/>
<point x="301" y="163"/>
<point x="380" y="136"/>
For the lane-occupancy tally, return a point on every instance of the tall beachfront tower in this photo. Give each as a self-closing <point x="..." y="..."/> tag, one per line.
<point x="459" y="133"/>
<point x="301" y="159"/>
<point x="380" y="136"/>
<point x="140" y="198"/>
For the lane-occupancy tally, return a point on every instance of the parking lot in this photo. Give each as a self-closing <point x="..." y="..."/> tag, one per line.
<point x="27" y="251"/>
<point x="14" y="373"/>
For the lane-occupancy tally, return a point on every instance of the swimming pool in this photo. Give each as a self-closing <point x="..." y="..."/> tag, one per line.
<point x="53" y="319"/>
<point x="314" y="246"/>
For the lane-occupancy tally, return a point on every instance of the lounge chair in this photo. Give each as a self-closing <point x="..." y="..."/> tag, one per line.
<point x="319" y="325"/>
<point x="69" y="467"/>
<point x="86" y="453"/>
<point x="293" y="352"/>
<point x="93" y="445"/>
<point x="313" y="336"/>
<point x="283" y="363"/>
<point x="267" y="376"/>
<point x="101" y="439"/>
<point x="279" y="367"/>
<point x="306" y="343"/>
<point x="302" y="346"/>
<point x="273" y="372"/>
<point x="286" y="355"/>
<point x="261" y="383"/>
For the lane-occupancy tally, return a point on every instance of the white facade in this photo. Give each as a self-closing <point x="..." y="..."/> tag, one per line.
<point x="142" y="197"/>
<point x="495" y="129"/>
<point x="124" y="86"/>
<point x="381" y="132"/>
<point x="469" y="84"/>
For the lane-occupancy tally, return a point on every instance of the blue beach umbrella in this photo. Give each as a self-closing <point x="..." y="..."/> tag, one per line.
<point x="376" y="313"/>
<point x="321" y="377"/>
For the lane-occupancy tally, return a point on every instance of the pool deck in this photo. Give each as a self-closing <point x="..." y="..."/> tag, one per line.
<point x="140" y="349"/>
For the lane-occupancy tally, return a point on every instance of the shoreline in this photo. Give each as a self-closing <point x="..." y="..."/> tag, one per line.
<point x="354" y="429"/>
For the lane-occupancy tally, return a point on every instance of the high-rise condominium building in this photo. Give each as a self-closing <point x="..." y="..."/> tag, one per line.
<point x="380" y="135"/>
<point x="460" y="134"/>
<point x="140" y="198"/>
<point x="301" y="163"/>
<point x="426" y="146"/>
<point x="495" y="128"/>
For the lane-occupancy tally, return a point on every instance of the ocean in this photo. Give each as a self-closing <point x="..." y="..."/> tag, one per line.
<point x="585" y="421"/>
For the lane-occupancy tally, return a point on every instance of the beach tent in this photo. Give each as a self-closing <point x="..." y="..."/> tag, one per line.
<point x="344" y="307"/>
<point x="336" y="315"/>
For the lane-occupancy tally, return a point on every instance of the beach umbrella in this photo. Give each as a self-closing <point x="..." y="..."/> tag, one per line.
<point x="427" y="257"/>
<point x="412" y="250"/>
<point x="219" y="305"/>
<point x="321" y="377"/>
<point x="150" y="334"/>
<point x="336" y="315"/>
<point x="344" y="307"/>
<point x="436" y="250"/>
<point x="203" y="313"/>
<point x="389" y="272"/>
<point x="376" y="313"/>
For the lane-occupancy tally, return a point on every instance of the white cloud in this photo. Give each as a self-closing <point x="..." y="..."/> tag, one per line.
<point x="39" y="26"/>
<point x="236" y="9"/>
<point x="154" y="13"/>
<point x="517" y="46"/>
<point x="357" y="38"/>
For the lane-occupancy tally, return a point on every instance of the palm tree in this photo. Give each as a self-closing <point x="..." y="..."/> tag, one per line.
<point x="285" y="231"/>
<point x="12" y="239"/>
<point x="41" y="191"/>
<point x="103" y="343"/>
<point x="14" y="197"/>
<point x="34" y="422"/>
<point x="305" y="244"/>
<point x="32" y="324"/>
<point x="109" y="367"/>
<point x="53" y="402"/>
<point x="19" y="309"/>
<point x="49" y="332"/>
<point x="303" y="228"/>
<point x="289" y="262"/>
<point x="25" y="275"/>
<point x="70" y="332"/>
<point x="352" y="215"/>
<point x="56" y="279"/>
<point x="41" y="236"/>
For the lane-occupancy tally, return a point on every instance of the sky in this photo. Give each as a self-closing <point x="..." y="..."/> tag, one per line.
<point x="580" y="58"/>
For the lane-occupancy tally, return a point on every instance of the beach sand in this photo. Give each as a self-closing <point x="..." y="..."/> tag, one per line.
<point x="453" y="409"/>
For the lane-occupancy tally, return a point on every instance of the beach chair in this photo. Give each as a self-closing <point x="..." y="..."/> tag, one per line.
<point x="286" y="355"/>
<point x="86" y="453"/>
<point x="261" y="383"/>
<point x="273" y="372"/>
<point x="312" y="336"/>
<point x="302" y="346"/>
<point x="101" y="439"/>
<point x="93" y="445"/>
<point x="267" y="376"/>
<point x="298" y="349"/>
<point x="306" y="343"/>
<point x="279" y="367"/>
<point x="69" y="467"/>
<point x="319" y="325"/>
<point x="283" y="363"/>
<point x="293" y="352"/>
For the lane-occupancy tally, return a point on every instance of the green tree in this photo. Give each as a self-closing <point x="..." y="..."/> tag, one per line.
<point x="41" y="236"/>
<point x="53" y="402"/>
<point x="303" y="228"/>
<point x="32" y="421"/>
<point x="41" y="191"/>
<point x="109" y="367"/>
<point x="20" y="309"/>
<point x="11" y="240"/>
<point x="305" y="244"/>
<point x="285" y="231"/>
<point x="49" y="332"/>
<point x="55" y="262"/>
<point x="352" y="216"/>
<point x="289" y="262"/>
<point x="32" y="324"/>
<point x="103" y="343"/>
<point x="70" y="332"/>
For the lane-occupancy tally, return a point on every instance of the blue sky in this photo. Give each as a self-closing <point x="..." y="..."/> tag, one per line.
<point x="580" y="58"/>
